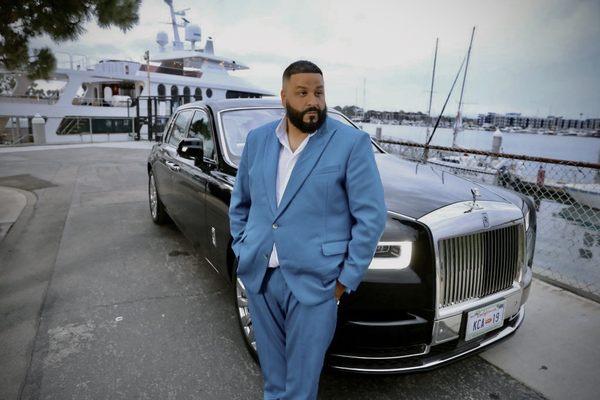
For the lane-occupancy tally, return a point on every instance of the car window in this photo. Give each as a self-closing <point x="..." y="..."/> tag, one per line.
<point x="200" y="129"/>
<point x="237" y="124"/>
<point x="179" y="126"/>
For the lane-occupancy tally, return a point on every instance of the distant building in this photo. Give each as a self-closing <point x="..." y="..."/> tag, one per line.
<point x="550" y="122"/>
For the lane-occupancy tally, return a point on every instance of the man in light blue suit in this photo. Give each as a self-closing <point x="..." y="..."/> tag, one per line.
<point x="306" y="214"/>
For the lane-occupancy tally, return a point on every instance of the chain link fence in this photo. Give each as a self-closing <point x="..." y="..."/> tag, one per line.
<point x="567" y="199"/>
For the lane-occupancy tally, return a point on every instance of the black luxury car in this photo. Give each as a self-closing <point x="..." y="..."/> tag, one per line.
<point x="450" y="275"/>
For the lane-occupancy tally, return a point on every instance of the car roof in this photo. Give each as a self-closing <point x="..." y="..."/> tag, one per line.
<point x="227" y="104"/>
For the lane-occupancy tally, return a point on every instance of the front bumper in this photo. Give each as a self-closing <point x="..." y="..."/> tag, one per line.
<point x="423" y="357"/>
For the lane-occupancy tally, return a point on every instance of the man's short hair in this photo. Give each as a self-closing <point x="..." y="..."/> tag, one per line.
<point x="300" y="67"/>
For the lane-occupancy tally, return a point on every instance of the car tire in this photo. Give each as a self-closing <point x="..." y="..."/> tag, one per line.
<point x="242" y="312"/>
<point x="157" y="209"/>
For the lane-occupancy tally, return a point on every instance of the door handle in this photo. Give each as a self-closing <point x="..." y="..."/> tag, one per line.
<point x="172" y="166"/>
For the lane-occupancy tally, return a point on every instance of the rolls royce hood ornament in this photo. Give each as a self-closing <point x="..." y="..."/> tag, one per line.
<point x="474" y="206"/>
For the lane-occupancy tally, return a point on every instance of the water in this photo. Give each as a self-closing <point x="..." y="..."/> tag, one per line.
<point x="572" y="148"/>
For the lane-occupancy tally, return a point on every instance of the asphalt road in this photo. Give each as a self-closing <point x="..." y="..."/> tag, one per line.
<point x="97" y="302"/>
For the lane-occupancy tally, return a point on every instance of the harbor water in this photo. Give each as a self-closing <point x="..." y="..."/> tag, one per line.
<point x="571" y="148"/>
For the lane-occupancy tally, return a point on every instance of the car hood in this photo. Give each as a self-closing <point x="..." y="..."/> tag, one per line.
<point x="415" y="189"/>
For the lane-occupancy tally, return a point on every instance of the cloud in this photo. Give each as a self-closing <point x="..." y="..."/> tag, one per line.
<point x="534" y="57"/>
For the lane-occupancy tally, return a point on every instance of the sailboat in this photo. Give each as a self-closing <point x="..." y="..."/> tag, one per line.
<point x="458" y="120"/>
<point x="429" y="126"/>
<point x="469" y="165"/>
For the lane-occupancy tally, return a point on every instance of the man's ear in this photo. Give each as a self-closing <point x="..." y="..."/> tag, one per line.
<point x="282" y="95"/>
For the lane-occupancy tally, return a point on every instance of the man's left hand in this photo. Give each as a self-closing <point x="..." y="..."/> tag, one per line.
<point x="339" y="289"/>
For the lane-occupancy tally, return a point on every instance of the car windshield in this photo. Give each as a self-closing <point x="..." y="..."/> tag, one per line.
<point x="237" y="124"/>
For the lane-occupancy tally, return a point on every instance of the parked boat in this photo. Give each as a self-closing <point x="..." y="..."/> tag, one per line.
<point x="587" y="194"/>
<point x="97" y="103"/>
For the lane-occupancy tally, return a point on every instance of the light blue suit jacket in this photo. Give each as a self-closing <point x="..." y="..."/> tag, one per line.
<point x="330" y="217"/>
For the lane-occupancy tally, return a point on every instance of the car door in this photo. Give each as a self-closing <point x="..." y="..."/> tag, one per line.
<point x="218" y="192"/>
<point x="168" y="166"/>
<point x="190" y="184"/>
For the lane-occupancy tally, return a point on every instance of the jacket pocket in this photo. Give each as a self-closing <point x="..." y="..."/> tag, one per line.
<point x="326" y="169"/>
<point x="338" y="247"/>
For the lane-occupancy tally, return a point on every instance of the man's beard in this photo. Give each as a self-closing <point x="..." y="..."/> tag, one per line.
<point x="297" y="118"/>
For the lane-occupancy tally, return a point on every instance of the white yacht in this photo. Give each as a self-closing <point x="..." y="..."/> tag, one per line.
<point x="100" y="103"/>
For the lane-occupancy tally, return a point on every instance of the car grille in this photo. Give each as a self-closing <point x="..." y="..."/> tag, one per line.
<point x="477" y="265"/>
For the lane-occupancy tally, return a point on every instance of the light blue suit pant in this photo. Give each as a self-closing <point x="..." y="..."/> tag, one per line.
<point x="291" y="338"/>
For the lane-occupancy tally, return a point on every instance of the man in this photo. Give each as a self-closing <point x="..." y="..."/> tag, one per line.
<point x="306" y="213"/>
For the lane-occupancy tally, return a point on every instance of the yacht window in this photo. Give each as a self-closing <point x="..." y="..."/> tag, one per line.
<point x="111" y="125"/>
<point x="209" y="92"/>
<point x="161" y="92"/>
<point x="198" y="94"/>
<point x="174" y="93"/>
<point x="178" y="128"/>
<point x="200" y="129"/>
<point x="186" y="95"/>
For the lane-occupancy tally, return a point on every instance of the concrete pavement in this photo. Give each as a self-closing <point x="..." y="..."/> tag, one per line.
<point x="98" y="302"/>
<point x="12" y="202"/>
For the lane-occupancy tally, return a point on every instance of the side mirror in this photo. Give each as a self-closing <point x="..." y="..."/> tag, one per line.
<point x="191" y="149"/>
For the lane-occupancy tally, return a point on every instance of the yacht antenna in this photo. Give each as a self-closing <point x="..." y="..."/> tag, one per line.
<point x="458" y="121"/>
<point x="177" y="43"/>
<point x="431" y="91"/>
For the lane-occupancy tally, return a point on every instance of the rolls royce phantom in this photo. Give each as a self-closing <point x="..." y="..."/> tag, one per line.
<point x="449" y="278"/>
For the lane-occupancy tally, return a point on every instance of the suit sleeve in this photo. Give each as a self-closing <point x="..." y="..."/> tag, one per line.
<point x="239" y="205"/>
<point x="367" y="205"/>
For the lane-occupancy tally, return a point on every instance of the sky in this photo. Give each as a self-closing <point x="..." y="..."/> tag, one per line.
<point x="536" y="57"/>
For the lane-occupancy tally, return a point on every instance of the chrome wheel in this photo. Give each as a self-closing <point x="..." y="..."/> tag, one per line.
<point x="153" y="198"/>
<point x="244" y="313"/>
<point x="157" y="209"/>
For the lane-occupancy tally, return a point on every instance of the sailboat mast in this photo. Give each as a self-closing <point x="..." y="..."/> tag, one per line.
<point x="431" y="91"/>
<point x="458" y="122"/>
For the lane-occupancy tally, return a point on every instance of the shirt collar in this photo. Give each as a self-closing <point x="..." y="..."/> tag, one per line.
<point x="282" y="134"/>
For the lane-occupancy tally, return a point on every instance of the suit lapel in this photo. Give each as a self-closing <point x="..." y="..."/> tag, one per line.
<point x="304" y="165"/>
<point x="271" y="161"/>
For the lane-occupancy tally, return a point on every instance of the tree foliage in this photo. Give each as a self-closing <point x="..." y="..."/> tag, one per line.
<point x="61" y="20"/>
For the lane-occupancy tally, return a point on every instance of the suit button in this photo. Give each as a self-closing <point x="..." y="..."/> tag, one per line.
<point x="275" y="226"/>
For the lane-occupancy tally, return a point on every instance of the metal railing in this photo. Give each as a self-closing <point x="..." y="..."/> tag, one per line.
<point x="566" y="196"/>
<point x="28" y="99"/>
<point x="102" y="102"/>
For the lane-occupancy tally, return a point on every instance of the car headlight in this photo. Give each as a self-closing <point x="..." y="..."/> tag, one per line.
<point x="392" y="255"/>
<point x="526" y="218"/>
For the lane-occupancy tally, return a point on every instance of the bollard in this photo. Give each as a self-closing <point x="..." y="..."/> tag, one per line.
<point x="497" y="142"/>
<point x="39" y="129"/>
<point x="378" y="134"/>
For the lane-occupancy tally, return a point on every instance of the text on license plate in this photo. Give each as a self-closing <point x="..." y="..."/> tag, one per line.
<point x="484" y="319"/>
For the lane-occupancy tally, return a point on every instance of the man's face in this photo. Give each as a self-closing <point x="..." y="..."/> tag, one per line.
<point x="303" y="96"/>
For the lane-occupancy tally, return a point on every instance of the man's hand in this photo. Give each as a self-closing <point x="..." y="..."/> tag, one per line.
<point x="339" y="289"/>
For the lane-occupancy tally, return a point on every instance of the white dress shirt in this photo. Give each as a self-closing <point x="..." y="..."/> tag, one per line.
<point x="287" y="160"/>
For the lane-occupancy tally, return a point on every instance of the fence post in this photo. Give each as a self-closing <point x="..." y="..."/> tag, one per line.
<point x="149" y="119"/>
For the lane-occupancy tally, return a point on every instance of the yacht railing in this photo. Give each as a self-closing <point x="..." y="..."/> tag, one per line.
<point x="28" y="99"/>
<point x="102" y="102"/>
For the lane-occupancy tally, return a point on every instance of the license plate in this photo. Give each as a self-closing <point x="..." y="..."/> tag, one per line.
<point x="484" y="319"/>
